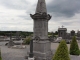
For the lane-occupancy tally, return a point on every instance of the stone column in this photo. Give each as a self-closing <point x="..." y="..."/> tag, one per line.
<point x="41" y="43"/>
<point x="31" y="57"/>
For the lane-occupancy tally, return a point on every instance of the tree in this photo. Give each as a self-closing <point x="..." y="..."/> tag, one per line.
<point x="62" y="52"/>
<point x="74" y="48"/>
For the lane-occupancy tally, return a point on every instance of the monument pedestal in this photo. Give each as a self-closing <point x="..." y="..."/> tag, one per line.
<point x="41" y="44"/>
<point x="42" y="50"/>
<point x="30" y="58"/>
<point x="10" y="43"/>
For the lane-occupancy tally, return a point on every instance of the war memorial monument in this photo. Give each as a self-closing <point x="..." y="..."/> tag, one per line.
<point x="41" y="43"/>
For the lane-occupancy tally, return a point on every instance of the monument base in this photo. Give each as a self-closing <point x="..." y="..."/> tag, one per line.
<point x="10" y="43"/>
<point x="30" y="58"/>
<point x="42" y="50"/>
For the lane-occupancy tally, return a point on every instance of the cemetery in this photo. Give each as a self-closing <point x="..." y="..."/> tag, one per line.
<point x="38" y="45"/>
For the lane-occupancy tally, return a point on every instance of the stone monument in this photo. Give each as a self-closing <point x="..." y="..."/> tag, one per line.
<point x="72" y="33"/>
<point x="78" y="33"/>
<point x="41" y="43"/>
<point x="62" y="32"/>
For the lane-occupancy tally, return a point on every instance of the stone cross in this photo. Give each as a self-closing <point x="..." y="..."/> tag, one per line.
<point x="10" y="43"/>
<point x="62" y="26"/>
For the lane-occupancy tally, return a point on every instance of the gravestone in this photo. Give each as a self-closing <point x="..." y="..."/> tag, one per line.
<point x="78" y="34"/>
<point x="62" y="32"/>
<point x="72" y="33"/>
<point x="41" y="43"/>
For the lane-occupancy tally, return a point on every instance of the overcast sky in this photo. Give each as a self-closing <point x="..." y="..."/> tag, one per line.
<point x="14" y="14"/>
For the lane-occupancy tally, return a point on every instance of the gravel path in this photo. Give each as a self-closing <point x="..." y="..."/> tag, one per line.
<point x="13" y="54"/>
<point x="74" y="57"/>
<point x="19" y="54"/>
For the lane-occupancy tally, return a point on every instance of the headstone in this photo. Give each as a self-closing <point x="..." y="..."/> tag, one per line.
<point x="62" y="32"/>
<point x="78" y="34"/>
<point x="41" y="43"/>
<point x="72" y="33"/>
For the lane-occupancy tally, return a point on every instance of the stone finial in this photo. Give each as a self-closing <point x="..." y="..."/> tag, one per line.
<point x="41" y="7"/>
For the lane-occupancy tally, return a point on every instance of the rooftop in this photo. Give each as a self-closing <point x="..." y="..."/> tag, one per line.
<point x="62" y="29"/>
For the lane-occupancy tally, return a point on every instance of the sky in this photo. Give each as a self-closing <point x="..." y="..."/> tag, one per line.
<point x="15" y="14"/>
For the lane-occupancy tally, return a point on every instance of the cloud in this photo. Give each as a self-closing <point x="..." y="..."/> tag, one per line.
<point x="16" y="4"/>
<point x="65" y="8"/>
<point x="14" y="14"/>
<point x="25" y="17"/>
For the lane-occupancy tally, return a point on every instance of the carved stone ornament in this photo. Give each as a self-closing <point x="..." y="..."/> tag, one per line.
<point x="40" y="16"/>
<point x="37" y="39"/>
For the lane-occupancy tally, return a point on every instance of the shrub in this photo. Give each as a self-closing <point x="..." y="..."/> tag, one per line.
<point x="61" y="52"/>
<point x="74" y="48"/>
<point x="27" y="40"/>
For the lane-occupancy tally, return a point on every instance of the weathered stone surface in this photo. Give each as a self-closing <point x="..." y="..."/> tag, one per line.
<point x="41" y="6"/>
<point x="72" y="33"/>
<point x="41" y="43"/>
<point x="62" y="32"/>
<point x="42" y="50"/>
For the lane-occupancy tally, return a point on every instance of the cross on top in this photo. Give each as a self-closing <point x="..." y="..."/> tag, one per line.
<point x="62" y="26"/>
